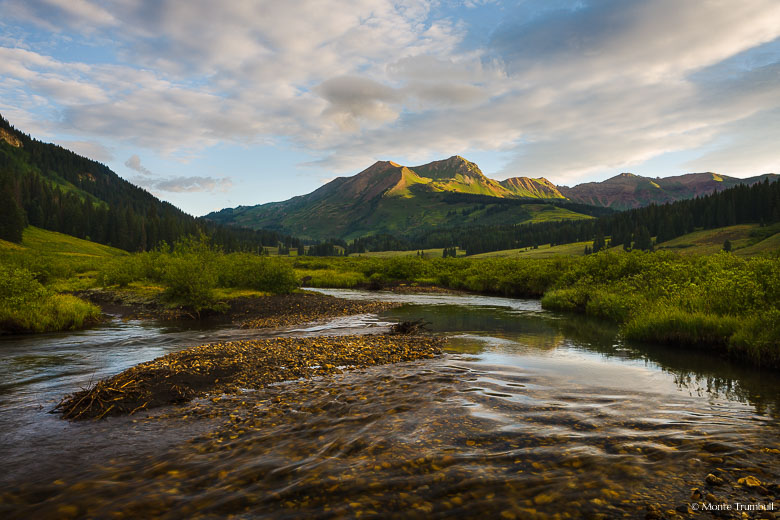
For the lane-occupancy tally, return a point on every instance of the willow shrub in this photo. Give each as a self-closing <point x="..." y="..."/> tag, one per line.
<point x="718" y="301"/>
<point x="27" y="306"/>
<point x="193" y="269"/>
<point x="248" y="271"/>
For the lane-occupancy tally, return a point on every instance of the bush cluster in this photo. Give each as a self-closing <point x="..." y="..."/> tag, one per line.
<point x="27" y="306"/>
<point x="193" y="269"/>
<point x="721" y="301"/>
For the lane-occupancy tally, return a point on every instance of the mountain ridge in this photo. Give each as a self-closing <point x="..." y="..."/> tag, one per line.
<point x="629" y="191"/>
<point x="47" y="186"/>
<point x="388" y="197"/>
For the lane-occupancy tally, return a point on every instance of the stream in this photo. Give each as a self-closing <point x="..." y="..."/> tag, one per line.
<point x="528" y="414"/>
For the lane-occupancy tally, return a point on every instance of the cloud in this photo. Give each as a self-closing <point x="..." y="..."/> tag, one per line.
<point x="134" y="163"/>
<point x="561" y="88"/>
<point x="601" y="85"/>
<point x="181" y="184"/>
<point x="351" y="99"/>
<point x="81" y="15"/>
<point x="749" y="147"/>
<point x="185" y="184"/>
<point x="191" y="184"/>
<point x="645" y="41"/>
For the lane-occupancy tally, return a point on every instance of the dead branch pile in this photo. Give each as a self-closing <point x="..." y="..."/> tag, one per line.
<point x="229" y="367"/>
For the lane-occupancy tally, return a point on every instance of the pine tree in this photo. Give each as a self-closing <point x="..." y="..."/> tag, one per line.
<point x="598" y="243"/>
<point x="11" y="217"/>
<point x="643" y="240"/>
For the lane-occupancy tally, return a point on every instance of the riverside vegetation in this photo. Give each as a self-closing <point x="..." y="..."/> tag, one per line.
<point x="193" y="278"/>
<point x="720" y="302"/>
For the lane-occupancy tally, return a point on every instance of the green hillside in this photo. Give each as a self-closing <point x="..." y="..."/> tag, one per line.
<point x="41" y="241"/>
<point x="47" y="186"/>
<point x="745" y="239"/>
<point x="388" y="198"/>
<point x="543" y="251"/>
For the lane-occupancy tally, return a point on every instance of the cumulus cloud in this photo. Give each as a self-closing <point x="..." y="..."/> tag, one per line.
<point x="561" y="88"/>
<point x="353" y="98"/>
<point x="134" y="163"/>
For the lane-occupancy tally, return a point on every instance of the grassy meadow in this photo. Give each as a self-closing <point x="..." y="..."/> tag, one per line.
<point x="726" y="302"/>
<point x="35" y="274"/>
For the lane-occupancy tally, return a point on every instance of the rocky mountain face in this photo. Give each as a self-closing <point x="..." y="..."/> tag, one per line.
<point x="389" y="197"/>
<point x="626" y="191"/>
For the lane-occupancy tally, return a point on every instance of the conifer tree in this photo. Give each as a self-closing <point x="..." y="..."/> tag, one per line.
<point x="11" y="217"/>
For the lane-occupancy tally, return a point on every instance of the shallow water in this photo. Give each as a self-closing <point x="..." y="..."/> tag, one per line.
<point x="529" y="414"/>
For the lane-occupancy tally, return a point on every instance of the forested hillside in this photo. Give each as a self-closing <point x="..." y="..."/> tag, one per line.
<point x="633" y="229"/>
<point x="47" y="186"/>
<point x="759" y="203"/>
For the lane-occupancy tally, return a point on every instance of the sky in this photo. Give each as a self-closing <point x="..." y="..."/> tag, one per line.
<point x="218" y="104"/>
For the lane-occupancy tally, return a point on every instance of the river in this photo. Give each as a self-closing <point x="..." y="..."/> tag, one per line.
<point x="528" y="414"/>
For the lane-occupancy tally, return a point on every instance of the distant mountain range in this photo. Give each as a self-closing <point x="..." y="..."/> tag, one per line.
<point x="394" y="199"/>
<point x="626" y="191"/>
<point x="400" y="200"/>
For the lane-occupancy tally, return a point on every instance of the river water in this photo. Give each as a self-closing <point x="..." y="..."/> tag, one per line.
<point x="528" y="414"/>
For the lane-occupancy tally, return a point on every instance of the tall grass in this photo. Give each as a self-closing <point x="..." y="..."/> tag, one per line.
<point x="193" y="269"/>
<point x="720" y="302"/>
<point x="27" y="306"/>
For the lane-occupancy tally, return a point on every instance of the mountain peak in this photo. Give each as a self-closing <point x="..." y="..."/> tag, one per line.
<point x="449" y="169"/>
<point x="382" y="165"/>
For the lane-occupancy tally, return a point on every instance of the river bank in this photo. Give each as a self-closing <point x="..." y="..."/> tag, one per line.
<point x="722" y="304"/>
<point x="526" y="414"/>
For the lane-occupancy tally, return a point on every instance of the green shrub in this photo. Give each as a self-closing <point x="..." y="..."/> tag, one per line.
<point x="120" y="271"/>
<point x="670" y="325"/>
<point x="276" y="277"/>
<point x="190" y="281"/>
<point x="573" y="299"/>
<point x="613" y="306"/>
<point x="758" y="339"/>
<point x="27" y="306"/>
<point x="328" y="278"/>
<point x="242" y="270"/>
<point x="18" y="286"/>
<point x="190" y="274"/>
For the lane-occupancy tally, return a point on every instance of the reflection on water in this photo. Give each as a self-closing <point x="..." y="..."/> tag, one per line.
<point x="529" y="415"/>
